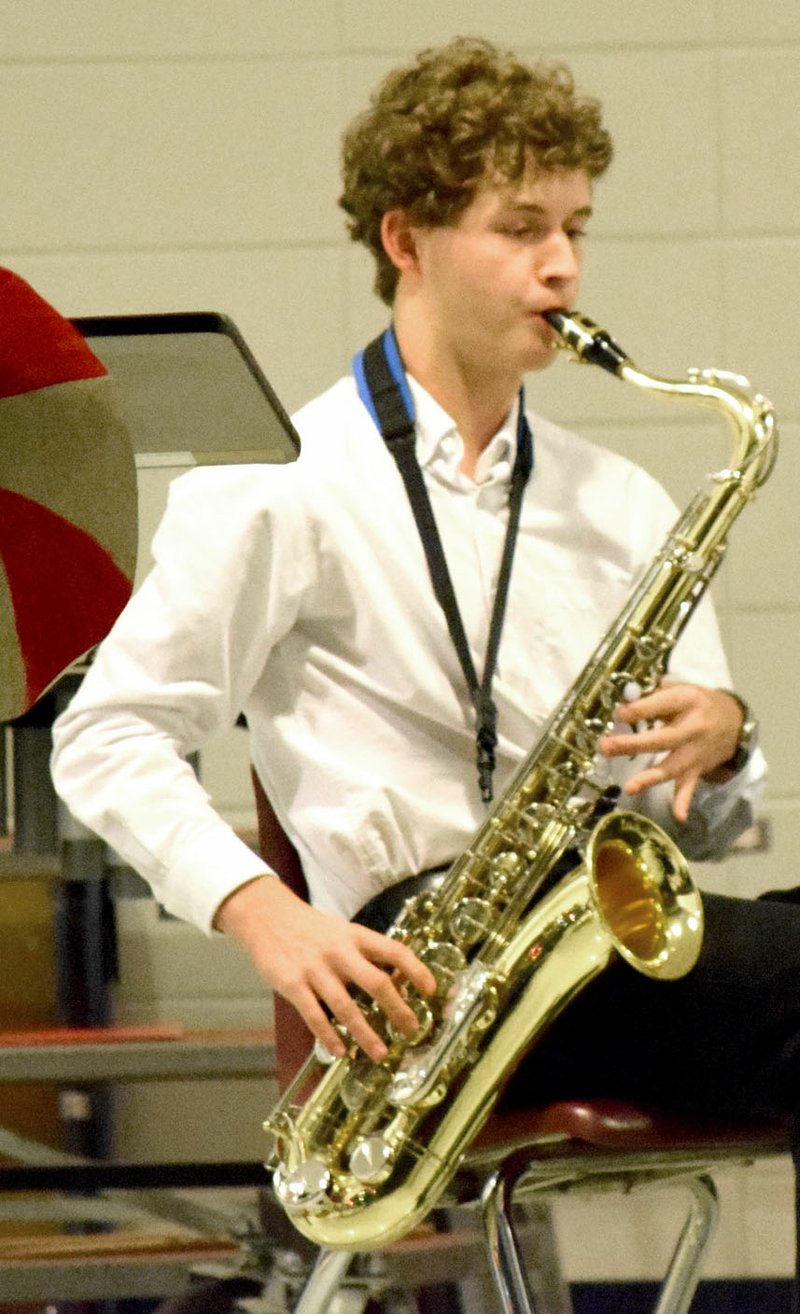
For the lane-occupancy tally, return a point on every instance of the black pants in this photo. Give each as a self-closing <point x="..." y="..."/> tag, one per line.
<point x="724" y="1040"/>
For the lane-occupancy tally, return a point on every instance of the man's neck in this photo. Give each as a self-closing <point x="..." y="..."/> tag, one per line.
<point x="477" y="399"/>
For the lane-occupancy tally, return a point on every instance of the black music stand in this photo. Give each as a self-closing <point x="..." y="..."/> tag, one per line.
<point x="190" y="388"/>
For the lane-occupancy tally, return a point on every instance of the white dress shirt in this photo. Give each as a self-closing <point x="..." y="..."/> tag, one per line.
<point x="300" y="595"/>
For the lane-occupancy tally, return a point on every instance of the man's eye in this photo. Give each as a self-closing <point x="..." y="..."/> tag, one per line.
<point x="520" y="231"/>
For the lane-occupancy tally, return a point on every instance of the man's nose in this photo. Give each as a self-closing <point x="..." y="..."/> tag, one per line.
<point x="559" y="261"/>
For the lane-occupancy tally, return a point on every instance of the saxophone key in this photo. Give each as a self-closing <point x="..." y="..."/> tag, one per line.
<point x="505" y="869"/>
<point x="488" y="1013"/>
<point x="304" y="1188"/>
<point x="471" y="920"/>
<point x="357" y="1087"/>
<point x="620" y="687"/>
<point x="585" y="737"/>
<point x="371" y="1160"/>
<point x="323" y="1055"/>
<point x="411" y="1084"/>
<point x="424" y="1016"/>
<point x="444" y="960"/>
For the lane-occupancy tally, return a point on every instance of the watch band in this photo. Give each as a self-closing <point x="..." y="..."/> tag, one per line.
<point x="748" y="735"/>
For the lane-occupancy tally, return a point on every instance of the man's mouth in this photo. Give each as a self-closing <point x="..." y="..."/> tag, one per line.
<point x="541" y="312"/>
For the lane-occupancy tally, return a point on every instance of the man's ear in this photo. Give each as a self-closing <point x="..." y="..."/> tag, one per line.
<point x="399" y="241"/>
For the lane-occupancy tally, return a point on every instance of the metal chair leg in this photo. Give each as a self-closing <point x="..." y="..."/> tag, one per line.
<point x="539" y="1286"/>
<point x="326" y="1277"/>
<point x="539" y="1248"/>
<point x="542" y="1287"/>
<point x="683" y="1274"/>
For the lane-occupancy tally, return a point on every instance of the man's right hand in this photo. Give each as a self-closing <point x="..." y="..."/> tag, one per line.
<point x="311" y="957"/>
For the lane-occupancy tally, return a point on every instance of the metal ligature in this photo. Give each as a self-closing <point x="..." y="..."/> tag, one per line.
<point x="510" y="940"/>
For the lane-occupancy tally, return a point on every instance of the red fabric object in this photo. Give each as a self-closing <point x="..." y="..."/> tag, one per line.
<point x="68" y="517"/>
<point x="26" y="322"/>
<point x="64" y="623"/>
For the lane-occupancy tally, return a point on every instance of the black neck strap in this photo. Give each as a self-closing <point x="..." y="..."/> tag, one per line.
<point x="384" y="389"/>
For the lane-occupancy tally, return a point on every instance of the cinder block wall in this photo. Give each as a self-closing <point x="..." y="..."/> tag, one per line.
<point x="177" y="156"/>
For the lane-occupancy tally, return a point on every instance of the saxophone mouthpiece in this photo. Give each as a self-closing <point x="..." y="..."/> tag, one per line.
<point x="587" y="340"/>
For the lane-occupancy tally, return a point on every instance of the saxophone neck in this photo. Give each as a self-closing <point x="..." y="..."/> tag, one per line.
<point x="729" y="394"/>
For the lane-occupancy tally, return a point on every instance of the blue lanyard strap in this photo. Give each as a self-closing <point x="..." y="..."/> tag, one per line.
<point x="388" y="386"/>
<point x="383" y="387"/>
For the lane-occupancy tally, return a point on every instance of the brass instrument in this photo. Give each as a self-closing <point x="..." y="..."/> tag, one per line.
<point x="366" y="1155"/>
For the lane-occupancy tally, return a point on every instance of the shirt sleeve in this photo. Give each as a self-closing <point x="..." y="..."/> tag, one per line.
<point x="177" y="668"/>
<point x="719" y="813"/>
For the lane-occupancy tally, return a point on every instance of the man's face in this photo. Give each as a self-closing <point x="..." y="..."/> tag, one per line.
<point x="514" y="253"/>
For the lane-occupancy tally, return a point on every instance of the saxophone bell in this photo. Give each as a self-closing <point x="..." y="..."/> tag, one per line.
<point x="644" y="895"/>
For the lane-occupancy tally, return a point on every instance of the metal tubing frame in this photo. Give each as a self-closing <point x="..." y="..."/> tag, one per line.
<point x="501" y="1246"/>
<point x="326" y="1277"/>
<point x="551" y="1296"/>
<point x="521" y="1288"/>
<point x="682" y="1276"/>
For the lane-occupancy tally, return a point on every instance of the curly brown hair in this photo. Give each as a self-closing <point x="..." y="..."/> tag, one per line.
<point x="437" y="128"/>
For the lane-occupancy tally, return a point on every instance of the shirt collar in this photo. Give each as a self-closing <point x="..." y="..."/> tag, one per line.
<point x="438" y="439"/>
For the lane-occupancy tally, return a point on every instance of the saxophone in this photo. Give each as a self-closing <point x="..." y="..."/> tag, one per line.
<point x="509" y="937"/>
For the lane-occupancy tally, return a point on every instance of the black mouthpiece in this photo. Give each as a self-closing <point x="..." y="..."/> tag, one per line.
<point x="587" y="340"/>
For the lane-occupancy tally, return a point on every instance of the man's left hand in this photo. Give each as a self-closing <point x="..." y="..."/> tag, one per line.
<point x="697" y="729"/>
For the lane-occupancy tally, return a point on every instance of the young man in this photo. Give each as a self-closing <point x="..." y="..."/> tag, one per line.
<point x="301" y="596"/>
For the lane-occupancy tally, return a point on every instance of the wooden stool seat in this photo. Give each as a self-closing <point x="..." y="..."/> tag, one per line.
<point x="617" y="1124"/>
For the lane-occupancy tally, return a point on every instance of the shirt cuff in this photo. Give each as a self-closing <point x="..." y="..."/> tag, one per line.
<point x="713" y="798"/>
<point x="210" y="868"/>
